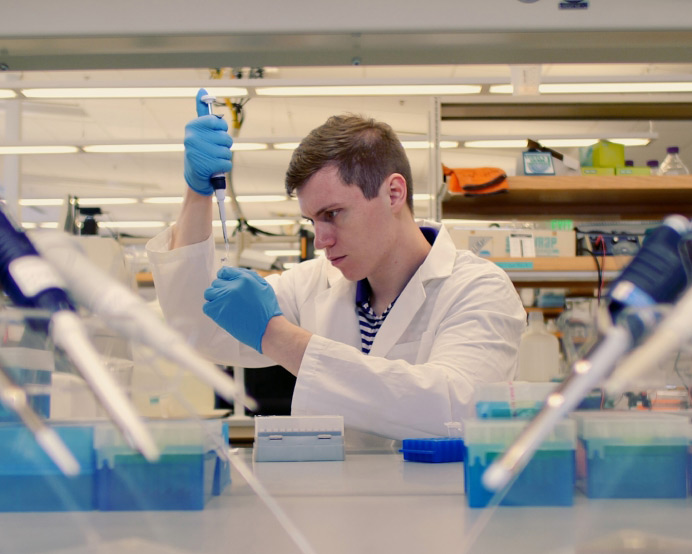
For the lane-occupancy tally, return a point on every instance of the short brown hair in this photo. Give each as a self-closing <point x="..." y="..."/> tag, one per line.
<point x="364" y="151"/>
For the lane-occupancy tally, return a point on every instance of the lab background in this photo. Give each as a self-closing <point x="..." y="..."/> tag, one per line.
<point x="127" y="196"/>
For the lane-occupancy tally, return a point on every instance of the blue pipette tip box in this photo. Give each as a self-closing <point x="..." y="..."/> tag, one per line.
<point x="192" y="468"/>
<point x="632" y="454"/>
<point x="433" y="450"/>
<point x="547" y="480"/>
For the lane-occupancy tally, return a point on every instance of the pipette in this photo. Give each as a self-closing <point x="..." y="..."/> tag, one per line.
<point x="125" y="312"/>
<point x="30" y="281"/>
<point x="218" y="180"/>
<point x="13" y="397"/>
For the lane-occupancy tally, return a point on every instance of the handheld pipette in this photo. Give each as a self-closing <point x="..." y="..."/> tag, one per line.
<point x="13" y="397"/>
<point x="218" y="180"/>
<point x="30" y="281"/>
<point x="125" y="312"/>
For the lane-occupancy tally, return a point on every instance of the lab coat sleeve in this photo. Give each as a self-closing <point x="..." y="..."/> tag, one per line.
<point x="180" y="277"/>
<point x="474" y="340"/>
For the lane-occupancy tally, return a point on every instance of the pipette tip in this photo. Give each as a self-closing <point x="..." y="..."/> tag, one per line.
<point x="495" y="477"/>
<point x="55" y="448"/>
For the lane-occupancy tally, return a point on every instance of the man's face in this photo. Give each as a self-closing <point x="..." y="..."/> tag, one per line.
<point x="353" y="231"/>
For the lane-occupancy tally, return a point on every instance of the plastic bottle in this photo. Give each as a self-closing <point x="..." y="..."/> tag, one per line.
<point x="539" y="352"/>
<point x="672" y="164"/>
<point x="653" y="166"/>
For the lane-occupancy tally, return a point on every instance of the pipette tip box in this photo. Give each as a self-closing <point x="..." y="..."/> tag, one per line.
<point x="433" y="450"/>
<point x="299" y="438"/>
<point x="31" y="482"/>
<point x="547" y="480"/>
<point x="193" y="468"/>
<point x="632" y="454"/>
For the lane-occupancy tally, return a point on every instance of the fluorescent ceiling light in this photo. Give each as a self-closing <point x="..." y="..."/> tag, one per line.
<point x="170" y="147"/>
<point x="41" y="201"/>
<point x="246" y="199"/>
<point x="131" y="92"/>
<point x="601" y="88"/>
<point x="248" y="146"/>
<point x="132" y="148"/>
<point x="422" y="144"/>
<point x="105" y="201"/>
<point x="421" y="196"/>
<point x="163" y="200"/>
<point x="9" y="150"/>
<point x="505" y="143"/>
<point x="631" y="141"/>
<point x="368" y="90"/>
<point x="553" y="143"/>
<point x="130" y="224"/>
<point x="568" y="143"/>
<point x="277" y="253"/>
<point x="272" y="222"/>
<point x="285" y="145"/>
<point x="40" y="225"/>
<point x="7" y="93"/>
<point x="595" y="88"/>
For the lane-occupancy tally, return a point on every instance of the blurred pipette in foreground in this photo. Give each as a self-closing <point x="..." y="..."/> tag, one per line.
<point x="31" y="282"/>
<point x="218" y="180"/>
<point x="655" y="275"/>
<point x="13" y="397"/>
<point x="125" y="312"/>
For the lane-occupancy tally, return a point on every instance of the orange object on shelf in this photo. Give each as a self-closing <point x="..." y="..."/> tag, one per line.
<point x="475" y="181"/>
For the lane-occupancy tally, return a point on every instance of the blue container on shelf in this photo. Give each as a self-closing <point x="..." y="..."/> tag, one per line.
<point x="632" y="454"/>
<point x="31" y="482"/>
<point x="192" y="468"/>
<point x="547" y="480"/>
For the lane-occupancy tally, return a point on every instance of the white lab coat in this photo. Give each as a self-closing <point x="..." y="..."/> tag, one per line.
<point x="457" y="323"/>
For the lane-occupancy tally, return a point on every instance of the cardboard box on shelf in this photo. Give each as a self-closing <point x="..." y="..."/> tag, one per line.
<point x="518" y="243"/>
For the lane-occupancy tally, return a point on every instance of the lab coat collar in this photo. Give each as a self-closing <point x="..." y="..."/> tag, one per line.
<point x="440" y="260"/>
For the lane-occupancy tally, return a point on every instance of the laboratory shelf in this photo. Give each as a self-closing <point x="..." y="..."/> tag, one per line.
<point x="584" y="197"/>
<point x="561" y="272"/>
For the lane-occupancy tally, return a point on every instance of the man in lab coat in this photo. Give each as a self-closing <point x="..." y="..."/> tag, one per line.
<point x="392" y="328"/>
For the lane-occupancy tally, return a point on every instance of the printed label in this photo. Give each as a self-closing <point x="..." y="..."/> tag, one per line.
<point x="33" y="275"/>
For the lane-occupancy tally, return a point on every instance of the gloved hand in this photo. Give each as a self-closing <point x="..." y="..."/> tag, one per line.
<point x="207" y="148"/>
<point x="242" y="303"/>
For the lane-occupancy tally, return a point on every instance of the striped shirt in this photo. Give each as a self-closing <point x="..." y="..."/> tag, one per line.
<point x="368" y="320"/>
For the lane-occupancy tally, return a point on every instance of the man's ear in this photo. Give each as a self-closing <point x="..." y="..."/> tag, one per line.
<point x="396" y="188"/>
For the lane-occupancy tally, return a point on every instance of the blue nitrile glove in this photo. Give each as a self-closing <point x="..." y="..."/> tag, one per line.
<point x="207" y="148"/>
<point x="241" y="302"/>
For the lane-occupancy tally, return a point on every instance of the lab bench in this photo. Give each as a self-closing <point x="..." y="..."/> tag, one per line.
<point x="373" y="501"/>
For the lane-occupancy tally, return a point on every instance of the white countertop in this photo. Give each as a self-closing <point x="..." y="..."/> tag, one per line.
<point x="369" y="503"/>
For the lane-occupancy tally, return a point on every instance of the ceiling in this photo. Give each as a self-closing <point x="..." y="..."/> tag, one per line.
<point x="140" y="176"/>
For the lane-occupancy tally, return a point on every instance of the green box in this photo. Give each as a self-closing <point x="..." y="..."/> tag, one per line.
<point x="632" y="170"/>
<point x="598" y="171"/>
<point x="608" y="154"/>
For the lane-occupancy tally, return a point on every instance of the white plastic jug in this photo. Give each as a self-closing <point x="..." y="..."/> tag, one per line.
<point x="539" y="352"/>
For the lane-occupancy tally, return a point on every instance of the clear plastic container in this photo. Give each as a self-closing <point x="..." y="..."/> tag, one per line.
<point x="672" y="164"/>
<point x="539" y="352"/>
